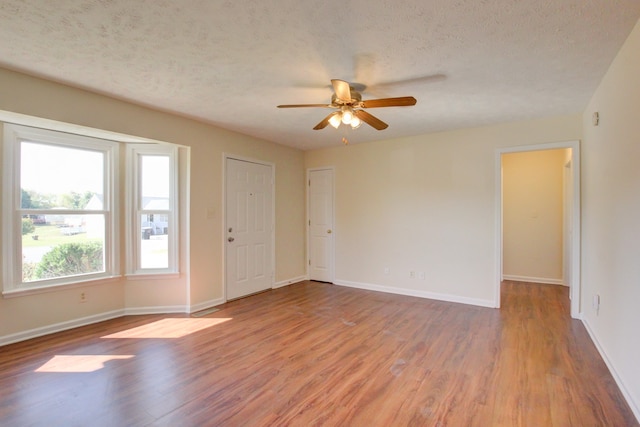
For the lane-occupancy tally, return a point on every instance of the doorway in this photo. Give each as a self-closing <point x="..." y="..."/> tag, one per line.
<point x="248" y="238"/>
<point x="570" y="190"/>
<point x="321" y="236"/>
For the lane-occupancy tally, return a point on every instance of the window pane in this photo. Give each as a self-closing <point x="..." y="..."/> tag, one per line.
<point x="154" y="241"/>
<point x="60" y="177"/>
<point x="155" y="179"/>
<point x="55" y="246"/>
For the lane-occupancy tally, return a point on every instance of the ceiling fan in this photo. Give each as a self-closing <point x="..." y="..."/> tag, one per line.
<point x="350" y="107"/>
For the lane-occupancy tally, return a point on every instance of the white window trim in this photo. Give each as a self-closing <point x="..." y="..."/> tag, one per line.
<point x="133" y="225"/>
<point x="13" y="135"/>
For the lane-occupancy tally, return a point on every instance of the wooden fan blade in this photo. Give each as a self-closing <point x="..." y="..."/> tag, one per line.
<point x="323" y="124"/>
<point x="404" y="101"/>
<point x="371" y="120"/>
<point x="342" y="90"/>
<point x="303" y="105"/>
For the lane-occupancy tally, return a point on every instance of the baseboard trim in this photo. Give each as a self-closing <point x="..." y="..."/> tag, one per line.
<point x="59" y="327"/>
<point x="543" y="280"/>
<point x="416" y="293"/>
<point x="168" y="309"/>
<point x="283" y="283"/>
<point x="207" y="304"/>
<point x="635" y="406"/>
<point x="84" y="321"/>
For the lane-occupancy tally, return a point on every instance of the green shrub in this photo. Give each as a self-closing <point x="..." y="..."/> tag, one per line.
<point x="27" y="226"/>
<point x="28" y="271"/>
<point x="70" y="259"/>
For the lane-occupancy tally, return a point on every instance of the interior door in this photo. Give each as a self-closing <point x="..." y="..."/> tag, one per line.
<point x="321" y="235"/>
<point x="249" y="228"/>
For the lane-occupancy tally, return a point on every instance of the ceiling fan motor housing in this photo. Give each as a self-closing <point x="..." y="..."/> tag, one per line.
<point x="356" y="98"/>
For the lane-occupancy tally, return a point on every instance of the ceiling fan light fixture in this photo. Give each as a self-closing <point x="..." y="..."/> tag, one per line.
<point x="355" y="122"/>
<point x="336" y="119"/>
<point x="347" y="115"/>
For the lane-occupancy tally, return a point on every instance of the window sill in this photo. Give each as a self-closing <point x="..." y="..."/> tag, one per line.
<point x="22" y="292"/>
<point x="152" y="276"/>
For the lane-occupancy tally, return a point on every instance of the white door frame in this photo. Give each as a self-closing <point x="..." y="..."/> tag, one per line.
<point x="225" y="157"/>
<point x="333" y="219"/>
<point x="575" y="219"/>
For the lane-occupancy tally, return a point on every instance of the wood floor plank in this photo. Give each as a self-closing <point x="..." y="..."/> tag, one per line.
<point x="314" y="354"/>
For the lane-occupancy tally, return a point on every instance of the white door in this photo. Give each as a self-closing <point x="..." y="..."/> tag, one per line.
<point x="321" y="235"/>
<point x="249" y="226"/>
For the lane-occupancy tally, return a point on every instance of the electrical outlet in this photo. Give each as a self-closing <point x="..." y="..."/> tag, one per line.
<point x="412" y="275"/>
<point x="386" y="270"/>
<point x="422" y="275"/>
<point x="83" y="297"/>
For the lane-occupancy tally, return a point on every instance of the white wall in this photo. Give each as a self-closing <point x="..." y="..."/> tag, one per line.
<point x="611" y="217"/>
<point x="201" y="280"/>
<point x="532" y="192"/>
<point x="426" y="204"/>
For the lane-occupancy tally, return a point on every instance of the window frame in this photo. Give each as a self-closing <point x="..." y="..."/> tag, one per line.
<point x="13" y="136"/>
<point x="135" y="210"/>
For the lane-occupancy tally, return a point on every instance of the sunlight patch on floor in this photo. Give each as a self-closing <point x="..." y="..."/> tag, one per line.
<point x="169" y="328"/>
<point x="79" y="363"/>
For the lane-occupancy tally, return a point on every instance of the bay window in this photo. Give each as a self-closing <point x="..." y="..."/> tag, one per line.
<point x="61" y="207"/>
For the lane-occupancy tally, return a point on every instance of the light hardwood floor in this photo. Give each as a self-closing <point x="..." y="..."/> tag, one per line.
<point x="314" y="354"/>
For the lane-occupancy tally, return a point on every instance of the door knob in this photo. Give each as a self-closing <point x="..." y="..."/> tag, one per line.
<point x="231" y="239"/>
<point x="328" y="231"/>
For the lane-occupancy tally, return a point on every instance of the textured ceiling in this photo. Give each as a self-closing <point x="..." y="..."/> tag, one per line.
<point x="468" y="62"/>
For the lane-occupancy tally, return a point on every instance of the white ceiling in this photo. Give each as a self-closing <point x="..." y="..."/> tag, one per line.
<point x="467" y="62"/>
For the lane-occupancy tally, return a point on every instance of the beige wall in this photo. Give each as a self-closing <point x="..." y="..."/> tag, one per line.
<point x="611" y="216"/>
<point x="202" y="281"/>
<point x="532" y="189"/>
<point x="426" y="204"/>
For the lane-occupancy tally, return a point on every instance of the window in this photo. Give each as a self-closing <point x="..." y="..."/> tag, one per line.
<point x="58" y="208"/>
<point x="153" y="204"/>
<point x="61" y="206"/>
